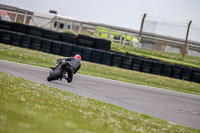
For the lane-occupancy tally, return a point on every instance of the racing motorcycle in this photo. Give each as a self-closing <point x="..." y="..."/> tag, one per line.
<point x="60" y="71"/>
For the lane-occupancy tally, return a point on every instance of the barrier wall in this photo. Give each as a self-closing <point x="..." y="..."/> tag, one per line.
<point x="68" y="48"/>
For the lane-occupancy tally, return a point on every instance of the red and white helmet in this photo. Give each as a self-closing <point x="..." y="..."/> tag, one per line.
<point x="77" y="56"/>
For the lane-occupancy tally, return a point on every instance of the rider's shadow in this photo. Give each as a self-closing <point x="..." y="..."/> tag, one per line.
<point x="60" y="84"/>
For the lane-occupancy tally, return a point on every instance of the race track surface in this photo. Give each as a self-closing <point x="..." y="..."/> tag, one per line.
<point x="176" y="107"/>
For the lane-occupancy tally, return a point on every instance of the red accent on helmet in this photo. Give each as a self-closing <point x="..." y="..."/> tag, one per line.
<point x="77" y="56"/>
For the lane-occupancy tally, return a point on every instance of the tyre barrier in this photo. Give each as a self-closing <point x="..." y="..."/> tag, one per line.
<point x="56" y="47"/>
<point x="102" y="44"/>
<point x="16" y="39"/>
<point x="21" y="28"/>
<point x="26" y="41"/>
<point x="5" y="25"/>
<point x="36" y="43"/>
<point x="85" y="41"/>
<point x="106" y="58"/>
<point x="80" y="40"/>
<point x="68" y="38"/>
<point x="101" y="56"/>
<point x="156" y="67"/>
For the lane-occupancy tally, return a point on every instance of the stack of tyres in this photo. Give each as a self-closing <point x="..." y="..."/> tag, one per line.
<point x="35" y="31"/>
<point x="156" y="67"/>
<point x="166" y="69"/>
<point x="146" y="66"/>
<point x="67" y="38"/>
<point x="16" y="39"/>
<point x="66" y="49"/>
<point x="0" y="34"/>
<point x="106" y="58"/>
<point x="176" y="72"/>
<point x="96" y="56"/>
<point x="46" y="45"/>
<point x="21" y="28"/>
<point x="85" y="41"/>
<point x="186" y="73"/>
<point x="86" y="53"/>
<point x="136" y="65"/>
<point x="126" y="62"/>
<point x="6" y="25"/>
<point x="52" y="35"/>
<point x="26" y="41"/>
<point x="36" y="43"/>
<point x="56" y="47"/>
<point x="116" y="59"/>
<point x="76" y="50"/>
<point x="102" y="44"/>
<point x="195" y="75"/>
<point x="6" y="36"/>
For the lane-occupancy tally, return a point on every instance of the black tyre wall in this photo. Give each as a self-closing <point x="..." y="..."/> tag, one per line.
<point x="136" y="65"/>
<point x="6" y="25"/>
<point x="46" y="45"/>
<point x="186" y="73"/>
<point x="16" y="39"/>
<point x="68" y="38"/>
<point x="86" y="53"/>
<point x="195" y="75"/>
<point x="116" y="59"/>
<point x="106" y="58"/>
<point x="6" y="36"/>
<point x="76" y="50"/>
<point x="66" y="49"/>
<point x="35" y="31"/>
<point x="21" y="28"/>
<point x="85" y="41"/>
<point x="52" y="35"/>
<point x="146" y="66"/>
<point x="96" y="56"/>
<point x="56" y="47"/>
<point x="166" y="69"/>
<point x="36" y="43"/>
<point x="102" y="44"/>
<point x="156" y="67"/>
<point x="176" y="72"/>
<point x="126" y="62"/>
<point x="26" y="41"/>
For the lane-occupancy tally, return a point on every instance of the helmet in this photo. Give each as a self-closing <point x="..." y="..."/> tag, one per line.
<point x="77" y="56"/>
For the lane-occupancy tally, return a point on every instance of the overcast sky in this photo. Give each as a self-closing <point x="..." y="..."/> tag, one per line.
<point x="123" y="13"/>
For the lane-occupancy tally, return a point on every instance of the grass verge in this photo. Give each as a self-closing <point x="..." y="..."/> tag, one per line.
<point x="32" y="57"/>
<point x="31" y="107"/>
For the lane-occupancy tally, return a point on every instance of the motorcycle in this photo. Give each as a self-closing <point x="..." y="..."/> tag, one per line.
<point x="60" y="71"/>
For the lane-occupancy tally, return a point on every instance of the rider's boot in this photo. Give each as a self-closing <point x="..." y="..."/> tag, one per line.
<point x="67" y="78"/>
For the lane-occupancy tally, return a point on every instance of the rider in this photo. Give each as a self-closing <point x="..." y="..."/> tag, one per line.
<point x="75" y="66"/>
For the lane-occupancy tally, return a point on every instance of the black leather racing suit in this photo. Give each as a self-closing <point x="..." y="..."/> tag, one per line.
<point x="75" y="66"/>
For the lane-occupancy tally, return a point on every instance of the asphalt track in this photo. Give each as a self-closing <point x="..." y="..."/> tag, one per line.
<point x="176" y="107"/>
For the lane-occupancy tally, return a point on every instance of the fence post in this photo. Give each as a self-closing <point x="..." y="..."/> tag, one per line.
<point x="186" y="40"/>
<point x="80" y="28"/>
<point x="124" y="43"/>
<point x="141" y="27"/>
<point x="16" y="15"/>
<point x="25" y="16"/>
<point x="120" y="41"/>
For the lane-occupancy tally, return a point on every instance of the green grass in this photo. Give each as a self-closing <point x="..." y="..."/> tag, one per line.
<point x="28" y="107"/>
<point x="159" y="55"/>
<point x="32" y="57"/>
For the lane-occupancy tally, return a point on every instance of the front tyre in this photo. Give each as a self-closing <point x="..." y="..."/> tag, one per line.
<point x="54" y="75"/>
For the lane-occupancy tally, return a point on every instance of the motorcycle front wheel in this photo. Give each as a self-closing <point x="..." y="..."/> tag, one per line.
<point x="54" y="75"/>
